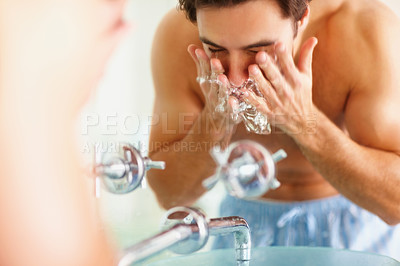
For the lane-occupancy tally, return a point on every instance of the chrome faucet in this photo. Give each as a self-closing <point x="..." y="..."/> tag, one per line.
<point x="247" y="169"/>
<point x="241" y="231"/>
<point x="188" y="231"/>
<point x="123" y="172"/>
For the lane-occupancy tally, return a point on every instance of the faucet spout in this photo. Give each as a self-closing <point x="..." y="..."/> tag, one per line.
<point x="188" y="232"/>
<point x="239" y="227"/>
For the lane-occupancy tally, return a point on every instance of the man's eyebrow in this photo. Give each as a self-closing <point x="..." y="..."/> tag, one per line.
<point x="259" y="44"/>
<point x="207" y="41"/>
<point x="263" y="43"/>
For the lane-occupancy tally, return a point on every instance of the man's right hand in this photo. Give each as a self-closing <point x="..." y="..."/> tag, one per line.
<point x="215" y="87"/>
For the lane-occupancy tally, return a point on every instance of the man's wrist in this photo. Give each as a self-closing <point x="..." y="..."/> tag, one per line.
<point x="309" y="132"/>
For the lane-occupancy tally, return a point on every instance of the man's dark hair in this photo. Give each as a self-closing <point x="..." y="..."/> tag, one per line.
<point x="290" y="8"/>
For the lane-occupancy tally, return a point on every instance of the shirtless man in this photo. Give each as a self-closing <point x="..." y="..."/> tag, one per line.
<point x="333" y="108"/>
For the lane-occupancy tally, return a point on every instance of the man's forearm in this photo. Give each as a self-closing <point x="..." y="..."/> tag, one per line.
<point x="367" y="176"/>
<point x="188" y="162"/>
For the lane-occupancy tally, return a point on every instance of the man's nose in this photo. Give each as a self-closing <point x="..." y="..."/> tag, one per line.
<point x="237" y="72"/>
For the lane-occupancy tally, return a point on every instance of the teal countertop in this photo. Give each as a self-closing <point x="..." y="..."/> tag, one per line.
<point x="283" y="256"/>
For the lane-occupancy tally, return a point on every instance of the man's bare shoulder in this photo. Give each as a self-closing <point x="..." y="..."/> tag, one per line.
<point x="171" y="63"/>
<point x="177" y="30"/>
<point x="366" y="36"/>
<point x="370" y="20"/>
<point x="359" y="34"/>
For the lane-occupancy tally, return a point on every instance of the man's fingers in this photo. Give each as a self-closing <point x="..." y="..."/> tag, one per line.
<point x="201" y="60"/>
<point x="206" y="67"/>
<point x="271" y="72"/>
<point x="224" y="80"/>
<point x="233" y="105"/>
<point x="192" y="51"/>
<point x="258" y="102"/>
<point x="265" y="86"/>
<point x="204" y="61"/>
<point x="305" y="60"/>
<point x="216" y="67"/>
<point x="287" y="65"/>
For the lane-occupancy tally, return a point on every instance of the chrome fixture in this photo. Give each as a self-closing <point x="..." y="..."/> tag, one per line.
<point x="246" y="168"/>
<point x="186" y="231"/>
<point x="122" y="172"/>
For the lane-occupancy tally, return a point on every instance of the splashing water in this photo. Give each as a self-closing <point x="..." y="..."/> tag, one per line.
<point x="254" y="120"/>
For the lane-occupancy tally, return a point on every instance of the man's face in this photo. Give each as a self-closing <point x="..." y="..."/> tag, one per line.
<point x="235" y="34"/>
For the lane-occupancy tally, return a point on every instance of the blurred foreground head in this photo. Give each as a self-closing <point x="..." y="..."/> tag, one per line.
<point x="52" y="54"/>
<point x="54" y="51"/>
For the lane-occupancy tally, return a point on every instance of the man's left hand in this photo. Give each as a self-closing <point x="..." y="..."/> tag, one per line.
<point x="287" y="88"/>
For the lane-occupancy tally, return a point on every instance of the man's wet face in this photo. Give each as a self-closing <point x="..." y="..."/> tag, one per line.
<point x="235" y="34"/>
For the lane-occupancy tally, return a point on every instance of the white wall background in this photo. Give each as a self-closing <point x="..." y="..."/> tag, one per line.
<point x="124" y="102"/>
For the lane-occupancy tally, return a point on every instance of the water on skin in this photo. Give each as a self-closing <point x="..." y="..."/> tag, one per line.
<point x="254" y="120"/>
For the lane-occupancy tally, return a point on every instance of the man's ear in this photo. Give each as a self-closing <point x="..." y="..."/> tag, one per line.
<point x="303" y="22"/>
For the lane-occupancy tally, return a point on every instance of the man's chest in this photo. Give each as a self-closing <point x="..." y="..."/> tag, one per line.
<point x="330" y="92"/>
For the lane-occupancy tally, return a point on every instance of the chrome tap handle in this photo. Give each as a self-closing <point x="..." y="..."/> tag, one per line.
<point x="220" y="157"/>
<point x="276" y="157"/>
<point x="246" y="168"/>
<point x="211" y="181"/>
<point x="279" y="155"/>
<point x="149" y="164"/>
<point x="97" y="155"/>
<point x="123" y="172"/>
<point x="153" y="164"/>
<point x="187" y="216"/>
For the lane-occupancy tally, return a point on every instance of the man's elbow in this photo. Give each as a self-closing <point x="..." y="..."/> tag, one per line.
<point x="167" y="196"/>
<point x="392" y="217"/>
<point x="168" y="202"/>
<point x="391" y="221"/>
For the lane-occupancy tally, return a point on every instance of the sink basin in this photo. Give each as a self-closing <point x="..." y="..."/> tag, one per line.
<point x="283" y="256"/>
